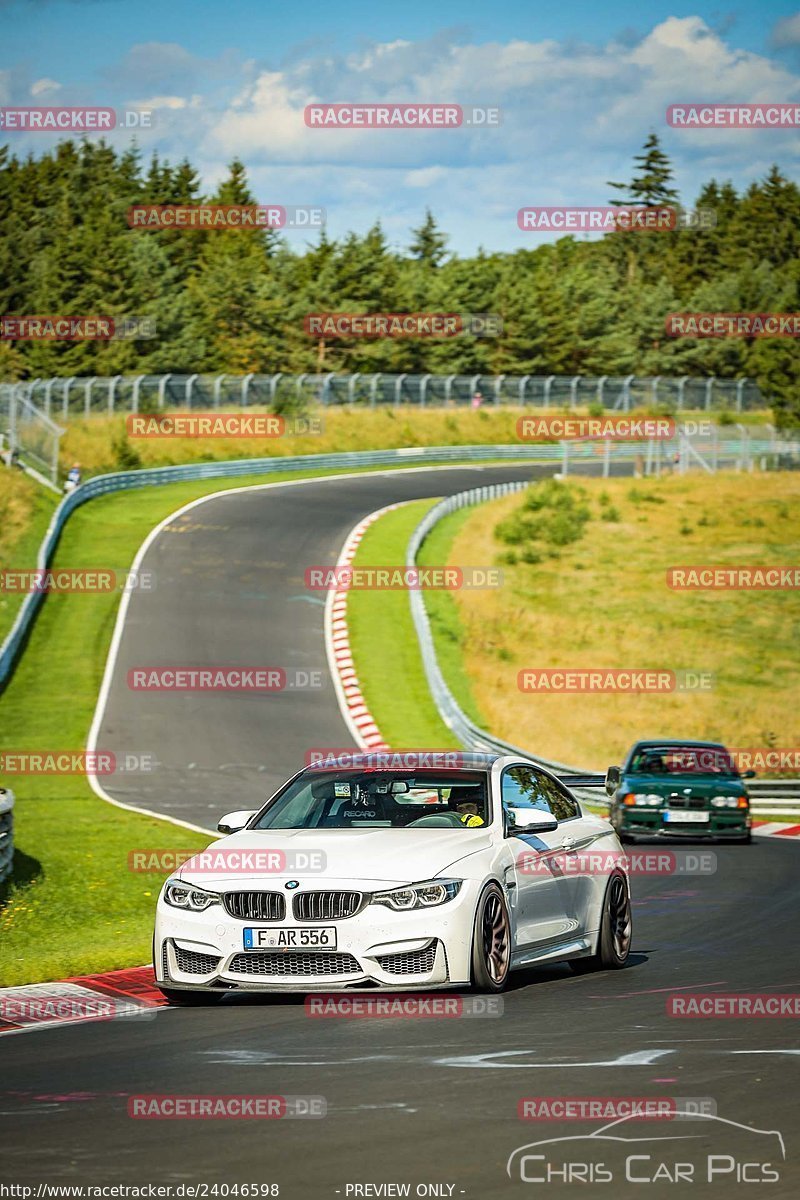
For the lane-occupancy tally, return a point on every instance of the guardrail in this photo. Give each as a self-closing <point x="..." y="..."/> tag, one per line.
<point x="102" y="485"/>
<point x="470" y="735"/>
<point x="584" y="784"/>
<point x="6" y="833"/>
<point x="559" y="454"/>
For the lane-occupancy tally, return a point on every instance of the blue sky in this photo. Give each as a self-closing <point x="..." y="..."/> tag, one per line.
<point x="580" y="86"/>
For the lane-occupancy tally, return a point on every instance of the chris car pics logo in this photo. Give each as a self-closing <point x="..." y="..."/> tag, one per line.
<point x="707" y="1149"/>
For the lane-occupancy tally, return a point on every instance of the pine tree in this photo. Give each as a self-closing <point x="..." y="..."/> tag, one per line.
<point x="651" y="184"/>
<point x="427" y="243"/>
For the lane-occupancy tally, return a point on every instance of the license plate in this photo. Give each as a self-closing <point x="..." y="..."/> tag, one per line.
<point x="290" y="939"/>
<point x="687" y="815"/>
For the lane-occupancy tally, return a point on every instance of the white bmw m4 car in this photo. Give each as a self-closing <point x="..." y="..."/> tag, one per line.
<point x="396" y="878"/>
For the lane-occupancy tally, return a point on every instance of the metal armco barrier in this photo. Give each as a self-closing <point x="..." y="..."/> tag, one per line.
<point x="469" y="734"/>
<point x="586" y="785"/>
<point x="102" y="485"/>
<point x="6" y="833"/>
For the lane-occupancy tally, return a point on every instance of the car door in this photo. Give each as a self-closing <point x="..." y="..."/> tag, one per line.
<point x="585" y="858"/>
<point x="541" y="894"/>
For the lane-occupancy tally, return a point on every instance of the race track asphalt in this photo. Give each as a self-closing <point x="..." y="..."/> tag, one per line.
<point x="230" y="590"/>
<point x="423" y="1101"/>
<point x="409" y="1101"/>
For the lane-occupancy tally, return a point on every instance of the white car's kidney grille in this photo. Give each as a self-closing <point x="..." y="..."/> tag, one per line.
<point x="280" y="963"/>
<point x="326" y="906"/>
<point x="415" y="962"/>
<point x="195" y="964"/>
<point x="255" y="906"/>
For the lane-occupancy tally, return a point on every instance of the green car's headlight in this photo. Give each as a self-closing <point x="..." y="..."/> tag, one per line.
<point x="189" y="897"/>
<point x="647" y="800"/>
<point x="418" y="895"/>
<point x="729" y="802"/>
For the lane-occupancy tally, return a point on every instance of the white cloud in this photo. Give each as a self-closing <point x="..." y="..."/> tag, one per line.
<point x="42" y="86"/>
<point x="573" y="116"/>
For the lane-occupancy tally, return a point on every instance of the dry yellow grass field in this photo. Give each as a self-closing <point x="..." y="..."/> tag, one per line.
<point x="604" y="603"/>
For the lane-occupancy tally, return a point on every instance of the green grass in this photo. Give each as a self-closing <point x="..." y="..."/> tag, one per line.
<point x="446" y="627"/>
<point x="25" y="511"/>
<point x="73" y="905"/>
<point x="384" y="643"/>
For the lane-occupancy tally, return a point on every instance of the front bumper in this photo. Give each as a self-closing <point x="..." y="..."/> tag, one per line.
<point x="376" y="948"/>
<point x="733" y="824"/>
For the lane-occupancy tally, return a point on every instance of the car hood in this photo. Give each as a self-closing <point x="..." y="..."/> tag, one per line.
<point x="379" y="855"/>
<point x="705" y="786"/>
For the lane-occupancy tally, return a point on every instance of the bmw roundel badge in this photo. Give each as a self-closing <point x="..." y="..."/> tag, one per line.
<point x="292" y="884"/>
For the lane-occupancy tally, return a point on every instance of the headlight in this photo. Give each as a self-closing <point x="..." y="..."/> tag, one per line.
<point x="644" y="799"/>
<point x="185" y="895"/>
<point x="729" y="801"/>
<point x="418" y="895"/>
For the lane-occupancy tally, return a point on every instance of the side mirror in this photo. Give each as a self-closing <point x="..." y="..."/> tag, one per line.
<point x="529" y="820"/>
<point x="749" y="774"/>
<point x="233" y="822"/>
<point x="613" y="777"/>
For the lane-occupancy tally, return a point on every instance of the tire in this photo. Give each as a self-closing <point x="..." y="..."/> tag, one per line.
<point x="614" y="943"/>
<point x="491" y="942"/>
<point x="183" y="999"/>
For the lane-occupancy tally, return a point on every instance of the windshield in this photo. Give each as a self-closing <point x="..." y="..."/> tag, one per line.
<point x="381" y="800"/>
<point x="682" y="760"/>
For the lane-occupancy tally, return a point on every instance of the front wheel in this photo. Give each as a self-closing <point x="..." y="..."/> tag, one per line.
<point x="616" y="924"/>
<point x="491" y="942"/>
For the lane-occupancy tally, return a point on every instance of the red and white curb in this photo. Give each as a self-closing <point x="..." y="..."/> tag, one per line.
<point x="127" y="994"/>
<point x="775" y="829"/>
<point x="357" y="717"/>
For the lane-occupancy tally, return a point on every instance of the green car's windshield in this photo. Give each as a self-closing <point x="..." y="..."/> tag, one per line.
<point x="348" y="799"/>
<point x="682" y="760"/>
